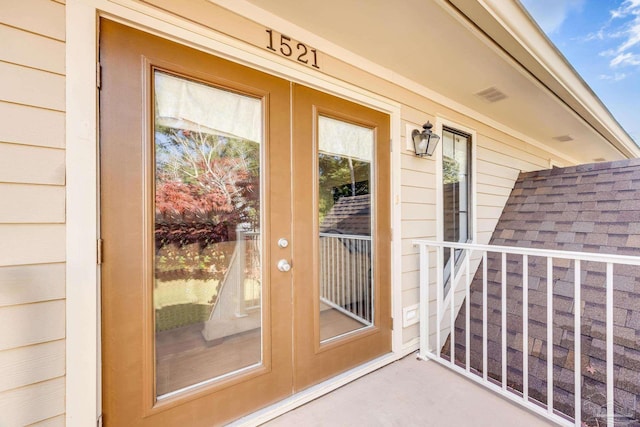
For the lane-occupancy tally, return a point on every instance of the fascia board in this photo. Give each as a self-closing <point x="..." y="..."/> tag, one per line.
<point x="510" y="26"/>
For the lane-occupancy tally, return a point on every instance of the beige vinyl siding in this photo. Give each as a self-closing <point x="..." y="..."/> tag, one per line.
<point x="48" y="133"/>
<point x="24" y="284"/>
<point x="31" y="203"/>
<point x="499" y="159"/>
<point x="29" y="86"/>
<point x="31" y="404"/>
<point x="32" y="213"/>
<point x="31" y="364"/>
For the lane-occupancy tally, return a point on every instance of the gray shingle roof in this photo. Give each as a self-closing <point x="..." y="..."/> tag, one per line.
<point x="349" y="215"/>
<point x="590" y="208"/>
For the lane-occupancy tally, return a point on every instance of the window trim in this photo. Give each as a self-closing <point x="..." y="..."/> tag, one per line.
<point x="442" y="123"/>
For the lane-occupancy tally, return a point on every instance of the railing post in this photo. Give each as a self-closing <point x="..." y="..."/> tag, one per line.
<point x="503" y="312"/>
<point x="577" y="369"/>
<point x="609" y="338"/>
<point x="439" y="300"/>
<point x="484" y="316"/>
<point x="525" y="327"/>
<point x="467" y="298"/>
<point x="452" y="304"/>
<point x="424" y="300"/>
<point x="550" y="335"/>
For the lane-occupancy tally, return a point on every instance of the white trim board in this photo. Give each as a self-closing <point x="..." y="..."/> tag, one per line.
<point x="83" y="387"/>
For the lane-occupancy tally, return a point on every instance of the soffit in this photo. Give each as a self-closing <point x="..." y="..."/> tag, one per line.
<point x="434" y="45"/>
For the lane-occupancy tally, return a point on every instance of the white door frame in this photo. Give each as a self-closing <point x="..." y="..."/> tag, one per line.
<point x="83" y="387"/>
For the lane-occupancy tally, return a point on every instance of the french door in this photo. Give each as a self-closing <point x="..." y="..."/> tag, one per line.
<point x="245" y="227"/>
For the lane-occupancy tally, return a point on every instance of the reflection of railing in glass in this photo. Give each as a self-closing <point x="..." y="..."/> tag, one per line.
<point x="345" y="275"/>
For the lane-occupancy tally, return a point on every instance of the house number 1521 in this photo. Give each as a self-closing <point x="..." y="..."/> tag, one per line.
<point x="283" y="45"/>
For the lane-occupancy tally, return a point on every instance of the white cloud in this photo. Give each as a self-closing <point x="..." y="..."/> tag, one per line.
<point x="625" y="26"/>
<point x="633" y="36"/>
<point x="625" y="59"/>
<point x="629" y="11"/>
<point x="551" y="14"/>
<point x="615" y="77"/>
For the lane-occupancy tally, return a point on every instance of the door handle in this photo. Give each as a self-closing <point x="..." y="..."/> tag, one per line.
<point x="284" y="266"/>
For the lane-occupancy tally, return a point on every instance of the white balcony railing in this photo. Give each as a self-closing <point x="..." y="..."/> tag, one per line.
<point x="475" y="314"/>
<point x="345" y="275"/>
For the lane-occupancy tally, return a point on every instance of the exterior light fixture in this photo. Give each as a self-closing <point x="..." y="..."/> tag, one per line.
<point x="425" y="142"/>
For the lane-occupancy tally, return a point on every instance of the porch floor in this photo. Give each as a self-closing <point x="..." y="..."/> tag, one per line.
<point x="410" y="392"/>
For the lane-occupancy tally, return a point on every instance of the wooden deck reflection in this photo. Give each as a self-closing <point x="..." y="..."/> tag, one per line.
<point x="185" y="358"/>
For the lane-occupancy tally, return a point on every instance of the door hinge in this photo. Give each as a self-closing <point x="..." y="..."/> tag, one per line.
<point x="99" y="421"/>
<point x="391" y="145"/>
<point x="392" y="323"/>
<point x="99" y="251"/>
<point x="99" y="76"/>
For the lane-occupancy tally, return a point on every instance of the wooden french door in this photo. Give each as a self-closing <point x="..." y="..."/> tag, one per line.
<point x="341" y="229"/>
<point x="242" y="261"/>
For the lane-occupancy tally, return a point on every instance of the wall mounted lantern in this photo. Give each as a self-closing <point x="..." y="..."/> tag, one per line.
<point x="425" y="142"/>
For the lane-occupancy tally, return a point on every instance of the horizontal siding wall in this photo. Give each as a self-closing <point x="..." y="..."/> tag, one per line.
<point x="499" y="159"/>
<point x="32" y="213"/>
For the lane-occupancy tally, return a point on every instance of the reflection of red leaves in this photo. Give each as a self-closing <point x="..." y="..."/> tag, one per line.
<point x="185" y="234"/>
<point x="224" y="189"/>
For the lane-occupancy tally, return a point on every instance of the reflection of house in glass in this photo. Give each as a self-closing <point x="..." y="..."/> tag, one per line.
<point x="345" y="258"/>
<point x="349" y="215"/>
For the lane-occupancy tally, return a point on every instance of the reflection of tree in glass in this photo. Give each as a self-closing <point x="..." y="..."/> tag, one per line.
<point x="340" y="177"/>
<point x="450" y="170"/>
<point x="206" y="179"/>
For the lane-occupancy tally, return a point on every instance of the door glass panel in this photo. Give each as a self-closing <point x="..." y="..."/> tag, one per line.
<point x="345" y="155"/>
<point x="208" y="251"/>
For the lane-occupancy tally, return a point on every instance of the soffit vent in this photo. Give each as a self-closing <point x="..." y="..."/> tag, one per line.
<point x="563" y="138"/>
<point x="599" y="159"/>
<point x="491" y="95"/>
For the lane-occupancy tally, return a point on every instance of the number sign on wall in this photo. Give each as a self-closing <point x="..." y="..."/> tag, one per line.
<point x="298" y="51"/>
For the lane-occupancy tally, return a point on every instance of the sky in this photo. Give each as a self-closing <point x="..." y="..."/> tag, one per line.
<point x="601" y="39"/>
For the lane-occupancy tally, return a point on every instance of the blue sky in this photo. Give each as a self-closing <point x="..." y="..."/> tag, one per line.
<point x="601" y="39"/>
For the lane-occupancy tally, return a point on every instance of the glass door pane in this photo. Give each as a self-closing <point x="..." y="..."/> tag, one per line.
<point x="208" y="250"/>
<point x="345" y="155"/>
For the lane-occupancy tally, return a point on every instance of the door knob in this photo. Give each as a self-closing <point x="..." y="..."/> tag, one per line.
<point x="283" y="265"/>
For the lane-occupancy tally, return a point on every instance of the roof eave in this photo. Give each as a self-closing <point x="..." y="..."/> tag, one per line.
<point x="511" y="27"/>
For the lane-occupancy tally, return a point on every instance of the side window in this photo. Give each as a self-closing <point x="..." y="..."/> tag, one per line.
<point x="456" y="191"/>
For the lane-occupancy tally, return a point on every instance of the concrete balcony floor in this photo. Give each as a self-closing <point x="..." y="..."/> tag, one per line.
<point x="410" y="392"/>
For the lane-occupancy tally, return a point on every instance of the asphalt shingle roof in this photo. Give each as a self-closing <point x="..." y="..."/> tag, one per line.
<point x="349" y="215"/>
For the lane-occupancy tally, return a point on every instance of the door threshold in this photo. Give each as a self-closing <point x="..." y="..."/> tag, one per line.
<point x="305" y="396"/>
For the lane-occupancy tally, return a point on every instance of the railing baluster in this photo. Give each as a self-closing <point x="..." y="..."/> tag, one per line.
<point x="525" y="327"/>
<point x="577" y="333"/>
<point x="503" y="312"/>
<point x="358" y="281"/>
<point x="609" y="338"/>
<point x="550" y="335"/>
<point x="452" y="301"/>
<point x="468" y="311"/>
<point x="439" y="294"/>
<point x="359" y="266"/>
<point x="484" y="315"/>
<point x="424" y="300"/>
